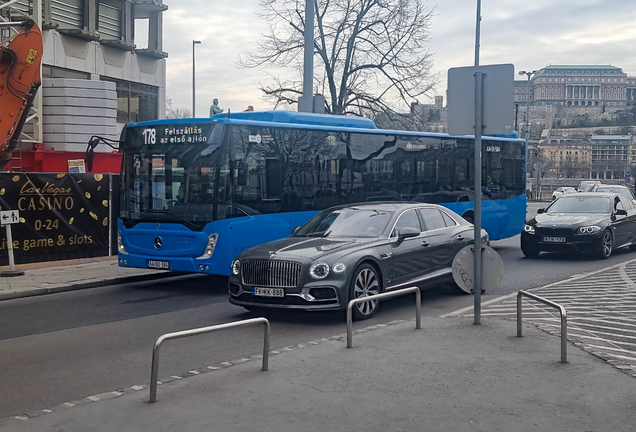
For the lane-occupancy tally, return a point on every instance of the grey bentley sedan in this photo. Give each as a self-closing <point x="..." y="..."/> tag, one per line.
<point x="352" y="251"/>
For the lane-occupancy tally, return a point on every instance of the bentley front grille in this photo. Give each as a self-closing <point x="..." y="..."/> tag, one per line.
<point x="275" y="274"/>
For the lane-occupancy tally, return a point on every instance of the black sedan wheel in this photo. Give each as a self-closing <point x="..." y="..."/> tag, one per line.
<point x="365" y="283"/>
<point x="606" y="246"/>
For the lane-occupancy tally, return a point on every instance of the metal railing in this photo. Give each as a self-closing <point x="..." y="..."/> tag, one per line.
<point x="418" y="308"/>
<point x="155" y="352"/>
<point x="564" y="320"/>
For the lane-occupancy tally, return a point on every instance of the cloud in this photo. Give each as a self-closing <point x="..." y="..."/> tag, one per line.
<point x="529" y="35"/>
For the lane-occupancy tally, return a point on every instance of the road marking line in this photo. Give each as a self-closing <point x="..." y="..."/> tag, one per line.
<point x="460" y="311"/>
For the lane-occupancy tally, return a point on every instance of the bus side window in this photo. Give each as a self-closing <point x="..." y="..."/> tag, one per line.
<point x="273" y="183"/>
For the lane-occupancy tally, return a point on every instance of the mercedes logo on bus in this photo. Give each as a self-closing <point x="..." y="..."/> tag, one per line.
<point x="158" y="243"/>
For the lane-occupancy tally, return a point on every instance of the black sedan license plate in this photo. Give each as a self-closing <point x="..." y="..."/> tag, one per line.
<point x="268" y="292"/>
<point x="159" y="264"/>
<point x="554" y="239"/>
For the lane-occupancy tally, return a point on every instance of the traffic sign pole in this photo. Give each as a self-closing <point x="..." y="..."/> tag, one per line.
<point x="8" y="218"/>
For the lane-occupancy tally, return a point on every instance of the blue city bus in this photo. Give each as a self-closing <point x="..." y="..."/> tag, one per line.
<point x="196" y="192"/>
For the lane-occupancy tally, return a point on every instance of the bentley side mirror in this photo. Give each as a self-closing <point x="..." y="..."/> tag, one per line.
<point x="408" y="232"/>
<point x="621" y="212"/>
<point x="541" y="211"/>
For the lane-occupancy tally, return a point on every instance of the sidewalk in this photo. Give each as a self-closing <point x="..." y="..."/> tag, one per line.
<point x="59" y="276"/>
<point x="449" y="376"/>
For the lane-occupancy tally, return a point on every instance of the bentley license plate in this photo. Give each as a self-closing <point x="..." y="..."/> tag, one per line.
<point x="268" y="292"/>
<point x="159" y="264"/>
<point x="554" y="239"/>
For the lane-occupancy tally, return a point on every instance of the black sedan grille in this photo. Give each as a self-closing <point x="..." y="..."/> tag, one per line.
<point x="274" y="274"/>
<point x="555" y="231"/>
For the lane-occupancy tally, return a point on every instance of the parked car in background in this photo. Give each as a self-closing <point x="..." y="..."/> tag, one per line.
<point x="585" y="185"/>
<point x="595" y="222"/>
<point x="624" y="190"/>
<point x="559" y="192"/>
<point x="352" y="251"/>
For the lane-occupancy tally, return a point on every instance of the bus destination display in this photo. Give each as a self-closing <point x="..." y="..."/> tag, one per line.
<point x="175" y="134"/>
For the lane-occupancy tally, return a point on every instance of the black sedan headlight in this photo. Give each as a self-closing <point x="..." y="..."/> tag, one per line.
<point x="588" y="229"/>
<point x="528" y="229"/>
<point x="319" y="270"/>
<point x="236" y="267"/>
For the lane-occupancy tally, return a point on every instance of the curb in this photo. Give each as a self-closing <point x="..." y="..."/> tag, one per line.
<point x="91" y="284"/>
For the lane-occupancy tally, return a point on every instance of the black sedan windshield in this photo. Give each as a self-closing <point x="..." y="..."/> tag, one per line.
<point x="349" y="222"/>
<point x="574" y="204"/>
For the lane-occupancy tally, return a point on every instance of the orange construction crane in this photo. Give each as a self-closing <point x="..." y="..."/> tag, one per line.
<point x="20" y="63"/>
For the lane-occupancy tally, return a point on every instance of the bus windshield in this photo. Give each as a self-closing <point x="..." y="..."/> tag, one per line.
<point x="173" y="175"/>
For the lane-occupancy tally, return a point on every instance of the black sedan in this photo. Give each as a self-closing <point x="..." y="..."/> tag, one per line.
<point x="352" y="251"/>
<point x="585" y="222"/>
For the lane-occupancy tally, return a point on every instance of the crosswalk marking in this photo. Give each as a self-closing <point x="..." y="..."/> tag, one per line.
<point x="601" y="311"/>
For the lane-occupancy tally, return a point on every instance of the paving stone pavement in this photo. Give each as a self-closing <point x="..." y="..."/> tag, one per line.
<point x="58" y="276"/>
<point x="601" y="312"/>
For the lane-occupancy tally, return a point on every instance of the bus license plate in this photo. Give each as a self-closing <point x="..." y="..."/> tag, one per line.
<point x="268" y="292"/>
<point x="554" y="239"/>
<point x="159" y="264"/>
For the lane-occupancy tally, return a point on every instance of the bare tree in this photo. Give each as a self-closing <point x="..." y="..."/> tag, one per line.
<point x="372" y="55"/>
<point x="574" y="167"/>
<point x="172" y="112"/>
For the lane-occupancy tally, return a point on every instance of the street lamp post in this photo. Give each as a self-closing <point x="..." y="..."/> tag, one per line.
<point x="538" y="165"/>
<point x="194" y="43"/>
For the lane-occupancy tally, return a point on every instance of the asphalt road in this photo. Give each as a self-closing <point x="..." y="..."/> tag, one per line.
<point x="64" y="347"/>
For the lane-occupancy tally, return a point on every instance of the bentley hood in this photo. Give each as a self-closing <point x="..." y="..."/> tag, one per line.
<point x="303" y="248"/>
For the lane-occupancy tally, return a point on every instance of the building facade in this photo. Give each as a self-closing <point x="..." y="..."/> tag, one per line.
<point x="91" y="41"/>
<point x="610" y="155"/>
<point x="564" y="154"/>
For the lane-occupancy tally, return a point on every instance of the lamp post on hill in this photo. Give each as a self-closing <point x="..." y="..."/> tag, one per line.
<point x="527" y="122"/>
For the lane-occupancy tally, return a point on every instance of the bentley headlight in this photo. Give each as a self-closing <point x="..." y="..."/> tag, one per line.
<point x="236" y="267"/>
<point x="528" y="228"/>
<point x="339" y="267"/>
<point x="319" y="270"/>
<point x="589" y="229"/>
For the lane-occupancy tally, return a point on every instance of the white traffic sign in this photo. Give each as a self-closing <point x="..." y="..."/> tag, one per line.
<point x="9" y="217"/>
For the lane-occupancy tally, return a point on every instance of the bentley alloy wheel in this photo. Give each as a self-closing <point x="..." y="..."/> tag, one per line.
<point x="365" y="283"/>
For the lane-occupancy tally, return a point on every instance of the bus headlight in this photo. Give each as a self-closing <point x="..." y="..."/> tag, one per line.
<point x="120" y="245"/>
<point x="529" y="229"/>
<point x="319" y="270"/>
<point x="209" y="249"/>
<point x="236" y="267"/>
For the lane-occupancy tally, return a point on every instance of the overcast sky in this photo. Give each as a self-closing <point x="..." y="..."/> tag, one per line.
<point x="528" y="34"/>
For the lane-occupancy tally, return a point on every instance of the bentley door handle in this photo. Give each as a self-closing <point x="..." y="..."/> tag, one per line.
<point x="425" y="243"/>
